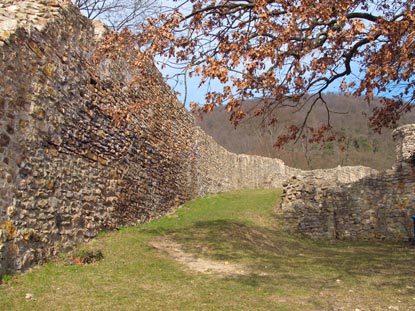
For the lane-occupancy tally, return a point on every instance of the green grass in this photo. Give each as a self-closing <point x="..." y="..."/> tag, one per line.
<point x="283" y="272"/>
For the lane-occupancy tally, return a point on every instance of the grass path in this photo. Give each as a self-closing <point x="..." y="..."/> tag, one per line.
<point x="149" y="267"/>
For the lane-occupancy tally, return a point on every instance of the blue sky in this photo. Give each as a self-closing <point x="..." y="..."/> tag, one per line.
<point x="197" y="94"/>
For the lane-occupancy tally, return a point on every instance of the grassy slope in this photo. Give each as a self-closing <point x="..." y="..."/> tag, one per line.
<point x="286" y="272"/>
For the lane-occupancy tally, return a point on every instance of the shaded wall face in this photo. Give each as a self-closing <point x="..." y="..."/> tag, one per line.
<point x="67" y="170"/>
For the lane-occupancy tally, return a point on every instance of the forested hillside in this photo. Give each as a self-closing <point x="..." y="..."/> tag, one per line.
<point x="355" y="144"/>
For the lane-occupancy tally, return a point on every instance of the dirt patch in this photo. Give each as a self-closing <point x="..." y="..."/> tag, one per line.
<point x="175" y="251"/>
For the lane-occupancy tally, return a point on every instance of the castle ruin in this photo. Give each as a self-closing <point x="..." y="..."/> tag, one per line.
<point x="68" y="170"/>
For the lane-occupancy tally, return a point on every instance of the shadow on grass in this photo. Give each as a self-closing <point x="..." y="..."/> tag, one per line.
<point x="294" y="259"/>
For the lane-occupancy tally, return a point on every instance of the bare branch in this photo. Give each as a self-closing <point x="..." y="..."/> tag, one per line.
<point x="119" y="13"/>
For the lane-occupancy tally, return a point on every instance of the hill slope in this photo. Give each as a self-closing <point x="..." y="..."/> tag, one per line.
<point x="361" y="145"/>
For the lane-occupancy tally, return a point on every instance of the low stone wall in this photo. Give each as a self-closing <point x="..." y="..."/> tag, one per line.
<point x="334" y="176"/>
<point x="378" y="206"/>
<point x="219" y="170"/>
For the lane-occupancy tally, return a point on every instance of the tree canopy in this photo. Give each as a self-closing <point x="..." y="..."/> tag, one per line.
<point x="290" y="52"/>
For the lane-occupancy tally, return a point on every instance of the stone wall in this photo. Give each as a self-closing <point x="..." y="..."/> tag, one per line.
<point x="377" y="206"/>
<point x="67" y="170"/>
<point x="219" y="170"/>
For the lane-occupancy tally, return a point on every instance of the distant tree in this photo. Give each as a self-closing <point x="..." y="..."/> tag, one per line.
<point x="290" y="52"/>
<point x="118" y="14"/>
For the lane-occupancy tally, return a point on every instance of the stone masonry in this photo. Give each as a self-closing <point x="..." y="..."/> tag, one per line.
<point x="377" y="206"/>
<point x="67" y="170"/>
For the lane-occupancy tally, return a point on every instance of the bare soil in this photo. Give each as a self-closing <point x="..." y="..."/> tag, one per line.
<point x="174" y="250"/>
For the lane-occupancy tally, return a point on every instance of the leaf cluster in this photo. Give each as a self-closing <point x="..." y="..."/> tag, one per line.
<point x="290" y="53"/>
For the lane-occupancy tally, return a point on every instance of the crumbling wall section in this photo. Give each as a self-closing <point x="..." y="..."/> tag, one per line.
<point x="377" y="206"/>
<point x="218" y="170"/>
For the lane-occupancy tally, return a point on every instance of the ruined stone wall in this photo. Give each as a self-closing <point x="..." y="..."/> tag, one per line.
<point x="68" y="168"/>
<point x="219" y="170"/>
<point x="378" y="206"/>
<point x="334" y="176"/>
